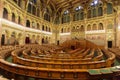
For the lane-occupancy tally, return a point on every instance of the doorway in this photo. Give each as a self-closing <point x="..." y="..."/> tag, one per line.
<point x="109" y="44"/>
<point x="27" y="40"/>
<point x="3" y="39"/>
<point x="58" y="42"/>
<point x="43" y="41"/>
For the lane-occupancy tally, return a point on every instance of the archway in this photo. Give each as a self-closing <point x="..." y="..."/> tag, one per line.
<point x="27" y="39"/>
<point x="3" y="39"/>
<point x="5" y="13"/>
<point x="43" y="41"/>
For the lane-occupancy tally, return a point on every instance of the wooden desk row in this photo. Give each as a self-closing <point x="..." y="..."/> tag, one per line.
<point x="69" y="65"/>
<point x="47" y="69"/>
<point x="49" y="59"/>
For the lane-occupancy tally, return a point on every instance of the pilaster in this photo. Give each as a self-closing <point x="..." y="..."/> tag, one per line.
<point x="1" y="14"/>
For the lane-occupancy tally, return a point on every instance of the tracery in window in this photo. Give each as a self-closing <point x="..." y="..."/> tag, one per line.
<point x="66" y="17"/>
<point x="79" y="13"/>
<point x="95" y="9"/>
<point x="5" y="13"/>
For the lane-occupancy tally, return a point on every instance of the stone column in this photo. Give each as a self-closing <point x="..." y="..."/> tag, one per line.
<point x="85" y="21"/>
<point x="24" y="30"/>
<point x="1" y="14"/>
<point x="10" y="16"/>
<point x="118" y="31"/>
<point x="16" y="19"/>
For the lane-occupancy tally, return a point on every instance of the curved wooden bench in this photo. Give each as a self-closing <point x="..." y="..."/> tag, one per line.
<point x="51" y="73"/>
<point x="116" y="51"/>
<point x="111" y="57"/>
<point x="53" y="59"/>
<point x="33" y="63"/>
<point x="99" y="55"/>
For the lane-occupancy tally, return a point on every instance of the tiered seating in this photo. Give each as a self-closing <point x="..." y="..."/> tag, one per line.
<point x="99" y="55"/>
<point x="116" y="51"/>
<point x="48" y="62"/>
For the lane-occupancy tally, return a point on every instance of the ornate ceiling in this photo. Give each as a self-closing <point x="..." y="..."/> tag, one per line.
<point x="69" y="3"/>
<point x="61" y="5"/>
<point x="58" y="6"/>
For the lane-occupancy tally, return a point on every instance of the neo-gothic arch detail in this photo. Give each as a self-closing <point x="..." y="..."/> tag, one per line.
<point x="77" y="6"/>
<point x="8" y="8"/>
<point x="89" y="27"/>
<point x="29" y="19"/>
<point x="50" y="11"/>
<point x="100" y="26"/>
<point x="38" y="3"/>
<point x="15" y="12"/>
<point x="62" y="13"/>
<point x="27" y="34"/>
<point x="14" y="34"/>
<point x="94" y="26"/>
<point x="47" y="9"/>
<point x="33" y="24"/>
<point x="19" y="35"/>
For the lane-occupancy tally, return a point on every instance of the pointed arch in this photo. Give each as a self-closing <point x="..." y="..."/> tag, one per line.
<point x="5" y="13"/>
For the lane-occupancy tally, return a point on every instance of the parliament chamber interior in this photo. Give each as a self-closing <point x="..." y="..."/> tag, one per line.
<point x="60" y="40"/>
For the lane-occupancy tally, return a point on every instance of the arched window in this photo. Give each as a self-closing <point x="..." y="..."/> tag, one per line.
<point x="34" y="10"/>
<point x="82" y="28"/>
<point x="38" y="12"/>
<point x="100" y="26"/>
<point x="33" y="24"/>
<point x="49" y="29"/>
<point x="73" y="28"/>
<point x="89" y="14"/>
<point x="94" y="12"/>
<point x="66" y="17"/>
<point x="32" y="7"/>
<point x="94" y="27"/>
<point x="19" y="20"/>
<point x="38" y="26"/>
<point x="27" y="23"/>
<point x="109" y="8"/>
<point x="5" y="13"/>
<point x="94" y="2"/>
<point x="79" y="13"/>
<point x="68" y="30"/>
<point x="88" y="27"/>
<point x="46" y="28"/>
<point x="95" y="9"/>
<point x="47" y="17"/>
<point x="62" y="30"/>
<point x="13" y="17"/>
<point x="43" y="27"/>
<point x="100" y="11"/>
<point x="47" y="14"/>
<point x="29" y="8"/>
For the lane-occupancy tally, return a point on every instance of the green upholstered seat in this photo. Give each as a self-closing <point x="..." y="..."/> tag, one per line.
<point x="94" y="71"/>
<point x="105" y="70"/>
<point x="115" y="69"/>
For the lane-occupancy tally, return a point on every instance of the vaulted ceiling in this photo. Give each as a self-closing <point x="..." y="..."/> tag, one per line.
<point x="58" y="6"/>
